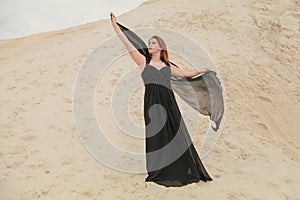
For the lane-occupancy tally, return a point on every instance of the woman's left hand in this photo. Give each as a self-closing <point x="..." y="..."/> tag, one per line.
<point x="206" y="70"/>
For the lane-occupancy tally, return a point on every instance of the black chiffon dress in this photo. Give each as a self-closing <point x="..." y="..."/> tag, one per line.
<point x="171" y="158"/>
<point x="179" y="164"/>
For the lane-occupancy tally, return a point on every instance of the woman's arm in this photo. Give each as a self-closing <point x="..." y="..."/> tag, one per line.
<point x="138" y="58"/>
<point x="186" y="73"/>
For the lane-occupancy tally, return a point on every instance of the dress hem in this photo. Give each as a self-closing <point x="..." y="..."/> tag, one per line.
<point x="178" y="185"/>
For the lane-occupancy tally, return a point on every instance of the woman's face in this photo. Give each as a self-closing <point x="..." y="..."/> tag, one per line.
<point x="153" y="46"/>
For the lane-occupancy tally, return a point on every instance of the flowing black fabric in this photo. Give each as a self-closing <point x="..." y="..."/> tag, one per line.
<point x="203" y="93"/>
<point x="164" y="122"/>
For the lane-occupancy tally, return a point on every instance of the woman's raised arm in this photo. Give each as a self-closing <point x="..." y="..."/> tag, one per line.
<point x="138" y="58"/>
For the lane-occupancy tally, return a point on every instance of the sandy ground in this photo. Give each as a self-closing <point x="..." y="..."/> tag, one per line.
<point x="255" y="45"/>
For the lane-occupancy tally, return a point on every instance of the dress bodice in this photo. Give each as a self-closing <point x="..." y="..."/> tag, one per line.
<point x="152" y="75"/>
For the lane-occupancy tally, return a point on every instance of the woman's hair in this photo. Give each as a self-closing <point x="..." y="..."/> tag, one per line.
<point x="164" y="52"/>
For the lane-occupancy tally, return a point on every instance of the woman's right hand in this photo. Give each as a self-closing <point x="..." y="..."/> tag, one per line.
<point x="113" y="18"/>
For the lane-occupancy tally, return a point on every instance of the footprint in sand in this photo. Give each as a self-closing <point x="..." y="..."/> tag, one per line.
<point x="15" y="164"/>
<point x="42" y="69"/>
<point x="229" y="145"/>
<point x="235" y="195"/>
<point x="29" y="138"/>
<point x="33" y="194"/>
<point x="217" y="176"/>
<point x="18" y="110"/>
<point x="272" y="185"/>
<point x="258" y="122"/>
<point x="266" y="99"/>
<point x="262" y="126"/>
<point x="243" y="156"/>
<point x="62" y="68"/>
<point x="66" y="161"/>
<point x="35" y="83"/>
<point x="111" y="177"/>
<point x="37" y="164"/>
<point x="58" y="84"/>
<point x="11" y="87"/>
<point x="67" y="100"/>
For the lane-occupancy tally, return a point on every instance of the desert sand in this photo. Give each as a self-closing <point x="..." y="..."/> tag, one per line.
<point x="255" y="45"/>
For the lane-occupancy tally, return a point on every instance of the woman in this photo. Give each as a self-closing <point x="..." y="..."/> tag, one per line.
<point x="165" y="128"/>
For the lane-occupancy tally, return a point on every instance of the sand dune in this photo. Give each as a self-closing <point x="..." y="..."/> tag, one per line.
<point x="255" y="47"/>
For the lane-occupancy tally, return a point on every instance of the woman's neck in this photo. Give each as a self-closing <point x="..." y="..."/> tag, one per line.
<point x="155" y="58"/>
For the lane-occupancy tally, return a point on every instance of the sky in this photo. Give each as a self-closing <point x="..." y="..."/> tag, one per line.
<point x="19" y="18"/>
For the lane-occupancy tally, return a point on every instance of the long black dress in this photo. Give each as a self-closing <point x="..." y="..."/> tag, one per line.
<point x="163" y="122"/>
